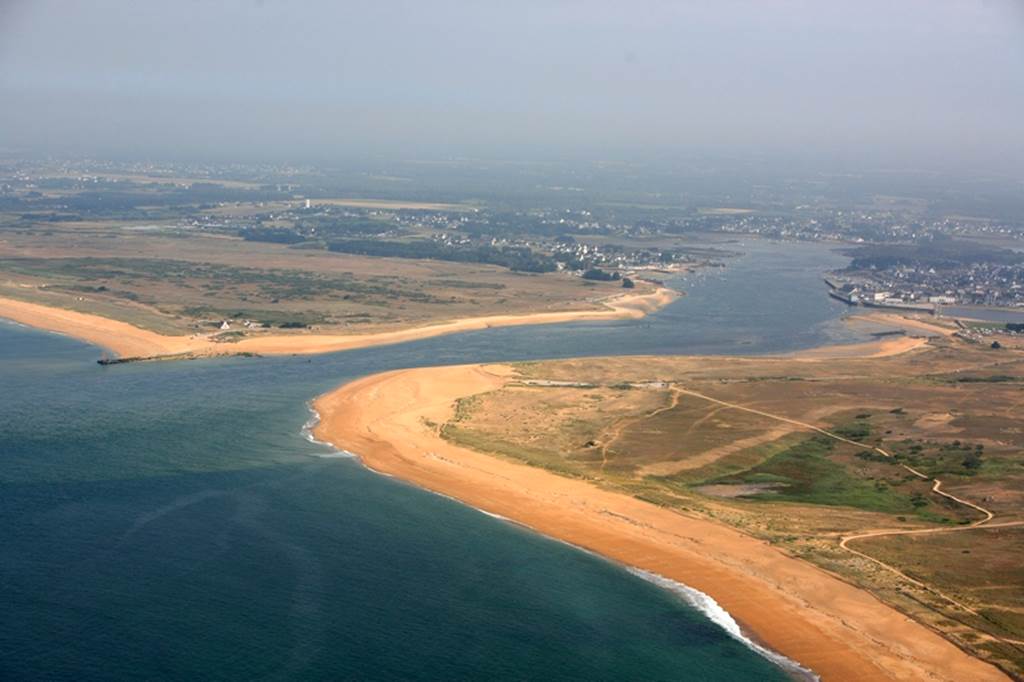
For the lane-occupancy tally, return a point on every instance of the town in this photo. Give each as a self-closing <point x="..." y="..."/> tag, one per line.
<point x="982" y="284"/>
<point x="931" y="274"/>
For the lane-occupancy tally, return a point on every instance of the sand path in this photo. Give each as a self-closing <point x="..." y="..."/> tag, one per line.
<point x="844" y="542"/>
<point x="841" y="632"/>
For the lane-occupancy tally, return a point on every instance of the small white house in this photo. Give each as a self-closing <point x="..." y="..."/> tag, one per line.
<point x="225" y="325"/>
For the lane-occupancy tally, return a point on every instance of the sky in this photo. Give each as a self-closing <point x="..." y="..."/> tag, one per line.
<point x="899" y="82"/>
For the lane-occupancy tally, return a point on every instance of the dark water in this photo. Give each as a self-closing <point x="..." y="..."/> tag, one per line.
<point x="168" y="521"/>
<point x="982" y="313"/>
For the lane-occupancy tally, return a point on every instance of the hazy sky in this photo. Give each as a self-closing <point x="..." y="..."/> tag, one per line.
<point x="909" y="81"/>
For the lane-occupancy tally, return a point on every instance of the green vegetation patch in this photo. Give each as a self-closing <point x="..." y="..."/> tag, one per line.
<point x="857" y="431"/>
<point x="517" y="258"/>
<point x="808" y="475"/>
<point x="484" y="442"/>
<point x="934" y="459"/>
<point x="735" y="463"/>
<point x="272" y="284"/>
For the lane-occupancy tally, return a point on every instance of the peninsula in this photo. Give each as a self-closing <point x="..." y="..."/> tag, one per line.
<point x="677" y="466"/>
<point x="131" y="342"/>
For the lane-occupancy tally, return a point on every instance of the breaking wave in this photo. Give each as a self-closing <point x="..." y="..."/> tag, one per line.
<point x="718" y="615"/>
<point x="307" y="433"/>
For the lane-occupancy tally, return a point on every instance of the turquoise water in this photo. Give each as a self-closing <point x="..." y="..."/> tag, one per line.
<point x="168" y="521"/>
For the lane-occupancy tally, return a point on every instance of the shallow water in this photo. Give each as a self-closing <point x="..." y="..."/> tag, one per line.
<point x="168" y="520"/>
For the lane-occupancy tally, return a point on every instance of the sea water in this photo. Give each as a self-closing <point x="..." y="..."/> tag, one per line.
<point x="170" y="521"/>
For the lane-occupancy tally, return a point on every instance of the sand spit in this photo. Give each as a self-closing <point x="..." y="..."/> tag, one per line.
<point x="119" y="337"/>
<point x="841" y="632"/>
<point x="128" y="341"/>
<point x="907" y="321"/>
<point x="881" y="348"/>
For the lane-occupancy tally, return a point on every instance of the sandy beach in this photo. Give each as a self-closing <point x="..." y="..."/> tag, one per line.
<point x="841" y="632"/>
<point x="880" y="348"/>
<point x="898" y="320"/>
<point x="128" y="341"/>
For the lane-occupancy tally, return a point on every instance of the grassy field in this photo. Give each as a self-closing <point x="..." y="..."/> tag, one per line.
<point x="163" y="251"/>
<point x="981" y="567"/>
<point x="174" y="281"/>
<point x="658" y="429"/>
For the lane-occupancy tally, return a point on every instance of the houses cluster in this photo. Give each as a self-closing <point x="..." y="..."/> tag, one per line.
<point x="807" y="223"/>
<point x="225" y="325"/>
<point x="578" y="255"/>
<point x="986" y="284"/>
<point x="980" y="333"/>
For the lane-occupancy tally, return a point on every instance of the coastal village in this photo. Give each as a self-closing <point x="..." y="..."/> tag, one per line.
<point x="928" y="289"/>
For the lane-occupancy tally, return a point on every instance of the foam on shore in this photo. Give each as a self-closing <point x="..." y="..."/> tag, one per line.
<point x="707" y="605"/>
<point x="703" y="603"/>
<point x="307" y="433"/>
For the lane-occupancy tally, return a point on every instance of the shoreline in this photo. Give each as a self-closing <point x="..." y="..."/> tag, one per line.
<point x="791" y="607"/>
<point x="713" y="611"/>
<point x="131" y="343"/>
<point x="879" y="348"/>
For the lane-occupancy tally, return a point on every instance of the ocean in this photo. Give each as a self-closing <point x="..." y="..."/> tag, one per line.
<point x="170" y="521"/>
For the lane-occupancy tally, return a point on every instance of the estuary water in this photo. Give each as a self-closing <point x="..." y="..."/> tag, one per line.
<point x="998" y="315"/>
<point x="169" y="521"/>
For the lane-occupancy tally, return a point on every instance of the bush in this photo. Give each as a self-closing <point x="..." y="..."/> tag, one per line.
<point x="598" y="275"/>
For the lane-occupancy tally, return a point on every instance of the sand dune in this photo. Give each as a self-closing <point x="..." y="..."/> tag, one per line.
<point x="839" y="631"/>
<point x="128" y="341"/>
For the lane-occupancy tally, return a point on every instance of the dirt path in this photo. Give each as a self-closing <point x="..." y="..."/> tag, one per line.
<point x="619" y="427"/>
<point x="714" y="454"/>
<point x="881" y="532"/>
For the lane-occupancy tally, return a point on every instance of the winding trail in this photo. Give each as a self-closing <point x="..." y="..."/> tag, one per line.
<point x="845" y="541"/>
<point x="619" y="427"/>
